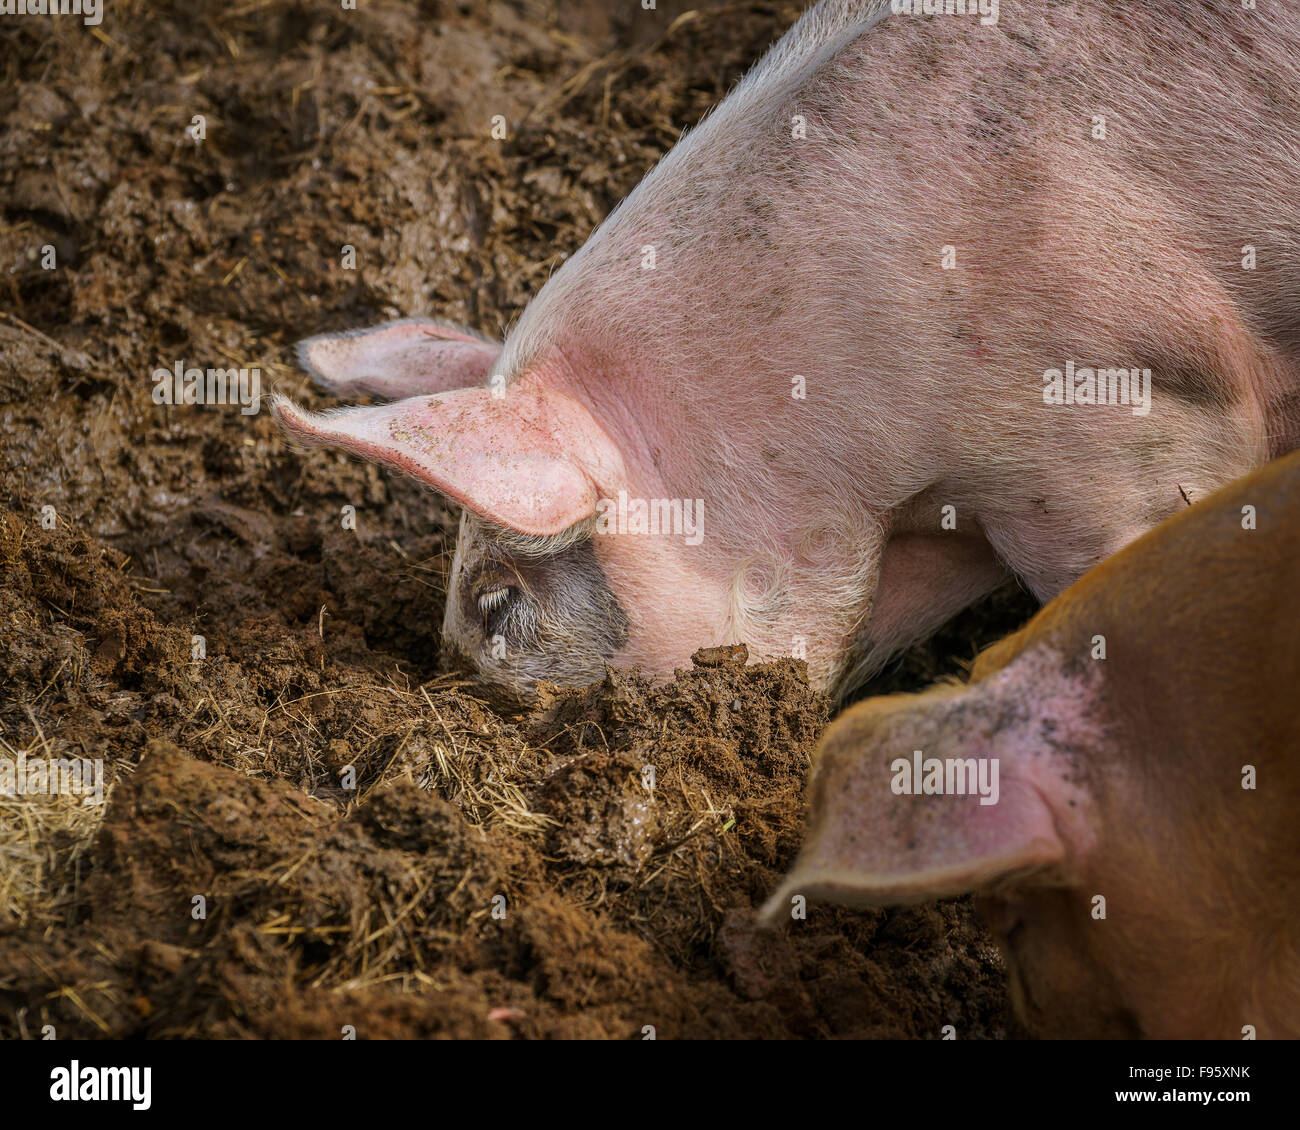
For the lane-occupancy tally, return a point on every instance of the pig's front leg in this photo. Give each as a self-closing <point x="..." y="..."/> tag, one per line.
<point x="925" y="580"/>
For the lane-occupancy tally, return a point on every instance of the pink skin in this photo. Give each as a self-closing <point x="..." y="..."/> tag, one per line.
<point x="680" y="597"/>
<point x="415" y="356"/>
<point x="530" y="459"/>
<point x="677" y="610"/>
<point x="819" y="258"/>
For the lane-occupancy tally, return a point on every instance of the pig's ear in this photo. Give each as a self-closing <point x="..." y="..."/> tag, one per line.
<point x="868" y="845"/>
<point x="532" y="460"/>
<point x="411" y="357"/>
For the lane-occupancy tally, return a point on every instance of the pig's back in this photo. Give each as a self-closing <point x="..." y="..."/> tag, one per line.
<point x="993" y="131"/>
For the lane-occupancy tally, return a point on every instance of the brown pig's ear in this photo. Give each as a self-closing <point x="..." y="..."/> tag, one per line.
<point x="411" y="357"/>
<point x="867" y="844"/>
<point x="532" y="460"/>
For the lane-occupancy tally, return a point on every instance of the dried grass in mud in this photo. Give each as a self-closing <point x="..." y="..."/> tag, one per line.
<point x="378" y="906"/>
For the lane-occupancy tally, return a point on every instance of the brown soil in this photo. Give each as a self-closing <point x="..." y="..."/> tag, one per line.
<point x="489" y="874"/>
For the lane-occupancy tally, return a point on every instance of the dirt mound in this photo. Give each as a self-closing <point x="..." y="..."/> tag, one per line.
<point x="592" y="900"/>
<point x="370" y="843"/>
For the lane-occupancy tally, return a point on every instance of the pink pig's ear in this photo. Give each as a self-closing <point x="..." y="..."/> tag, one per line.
<point x="411" y="357"/>
<point x="532" y="460"/>
<point x="868" y="845"/>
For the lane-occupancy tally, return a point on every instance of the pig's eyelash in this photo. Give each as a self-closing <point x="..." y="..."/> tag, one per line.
<point x="507" y="613"/>
<point x="493" y="599"/>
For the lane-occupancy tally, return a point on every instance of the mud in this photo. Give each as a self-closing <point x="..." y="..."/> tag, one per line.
<point x="309" y="824"/>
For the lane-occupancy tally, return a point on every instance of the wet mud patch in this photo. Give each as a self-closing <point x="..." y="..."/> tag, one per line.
<point x="309" y="822"/>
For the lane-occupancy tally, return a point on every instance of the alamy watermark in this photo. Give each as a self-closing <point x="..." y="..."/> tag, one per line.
<point x="75" y="1083"/>
<point x="90" y="11"/>
<point x="949" y="776"/>
<point x="987" y="10"/>
<point x="1129" y="387"/>
<point x="56" y="776"/>
<point x="179" y="385"/>
<point x="667" y="517"/>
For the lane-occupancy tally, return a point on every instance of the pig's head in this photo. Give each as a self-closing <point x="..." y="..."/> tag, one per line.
<point x="539" y="588"/>
<point x="1041" y="799"/>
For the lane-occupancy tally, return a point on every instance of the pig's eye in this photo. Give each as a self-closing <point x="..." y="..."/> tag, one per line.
<point x="493" y="601"/>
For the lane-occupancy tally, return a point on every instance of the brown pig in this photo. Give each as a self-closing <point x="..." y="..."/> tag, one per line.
<point x="1120" y="781"/>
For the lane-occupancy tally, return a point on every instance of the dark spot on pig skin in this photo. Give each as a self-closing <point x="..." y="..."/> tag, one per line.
<point x="994" y="133"/>
<point x="1284" y="423"/>
<point x="1023" y="40"/>
<point x="1150" y="451"/>
<point x="758" y="224"/>
<point x="744" y="233"/>
<point x="1200" y="387"/>
<point x="760" y="207"/>
<point x="564" y="623"/>
<point x="928" y="55"/>
<point x="1079" y="664"/>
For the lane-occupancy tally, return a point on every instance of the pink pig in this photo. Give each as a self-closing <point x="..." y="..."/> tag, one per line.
<point x="923" y="304"/>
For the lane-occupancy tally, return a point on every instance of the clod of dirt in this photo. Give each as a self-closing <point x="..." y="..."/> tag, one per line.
<point x="729" y="655"/>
